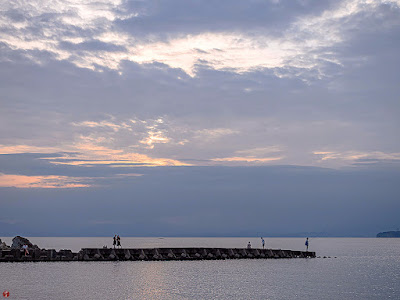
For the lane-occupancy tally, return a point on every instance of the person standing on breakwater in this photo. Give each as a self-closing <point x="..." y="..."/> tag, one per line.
<point x="306" y="244"/>
<point x="118" y="241"/>
<point x="114" y="240"/>
<point x="249" y="246"/>
<point x="262" y="242"/>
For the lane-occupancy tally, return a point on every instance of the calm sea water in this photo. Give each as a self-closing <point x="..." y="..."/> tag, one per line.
<point x="359" y="268"/>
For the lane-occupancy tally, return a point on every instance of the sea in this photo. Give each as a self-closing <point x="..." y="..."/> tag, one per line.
<point x="345" y="268"/>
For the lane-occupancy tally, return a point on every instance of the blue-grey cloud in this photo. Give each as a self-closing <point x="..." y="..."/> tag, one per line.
<point x="176" y="17"/>
<point x="91" y="46"/>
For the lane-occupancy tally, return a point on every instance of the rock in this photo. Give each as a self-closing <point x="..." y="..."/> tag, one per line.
<point x="113" y="255"/>
<point x="19" y="241"/>
<point x="9" y="258"/>
<point x="128" y="255"/>
<point x="171" y="254"/>
<point x="3" y="246"/>
<point x="142" y="255"/>
<point x="218" y="253"/>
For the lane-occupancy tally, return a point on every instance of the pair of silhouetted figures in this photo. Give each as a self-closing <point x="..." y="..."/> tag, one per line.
<point x="117" y="241"/>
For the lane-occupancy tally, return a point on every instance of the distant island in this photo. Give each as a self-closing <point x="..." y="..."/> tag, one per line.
<point x="389" y="234"/>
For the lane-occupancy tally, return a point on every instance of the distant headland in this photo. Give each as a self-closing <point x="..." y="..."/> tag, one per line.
<point x="389" y="234"/>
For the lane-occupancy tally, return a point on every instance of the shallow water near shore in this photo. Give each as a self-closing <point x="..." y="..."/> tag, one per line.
<point x="359" y="268"/>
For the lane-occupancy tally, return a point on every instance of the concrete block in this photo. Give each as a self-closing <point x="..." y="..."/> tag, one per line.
<point x="127" y="255"/>
<point x="142" y="255"/>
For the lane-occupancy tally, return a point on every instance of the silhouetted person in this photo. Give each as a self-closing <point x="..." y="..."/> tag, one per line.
<point x="118" y="241"/>
<point x="114" y="240"/>
<point x="306" y="244"/>
<point x="249" y="246"/>
<point x="263" y="242"/>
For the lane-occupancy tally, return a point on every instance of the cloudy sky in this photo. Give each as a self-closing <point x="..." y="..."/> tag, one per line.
<point x="230" y="117"/>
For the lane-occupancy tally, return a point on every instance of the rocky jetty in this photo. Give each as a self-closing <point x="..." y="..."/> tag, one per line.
<point x="17" y="254"/>
<point x="158" y="254"/>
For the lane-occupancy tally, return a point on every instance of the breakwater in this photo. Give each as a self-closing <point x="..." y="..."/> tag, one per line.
<point x="152" y="254"/>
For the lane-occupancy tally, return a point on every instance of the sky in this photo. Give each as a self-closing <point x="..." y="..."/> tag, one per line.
<point x="199" y="118"/>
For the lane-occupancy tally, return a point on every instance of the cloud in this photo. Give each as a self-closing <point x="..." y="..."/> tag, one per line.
<point x="86" y="35"/>
<point x="260" y="151"/>
<point x="254" y="156"/>
<point x="172" y="107"/>
<point x="46" y="182"/>
<point x="104" y="124"/>
<point x="154" y="137"/>
<point x="247" y="159"/>
<point x="233" y="107"/>
<point x="214" y="133"/>
<point x="14" y="149"/>
<point x="356" y="155"/>
<point x="88" y="154"/>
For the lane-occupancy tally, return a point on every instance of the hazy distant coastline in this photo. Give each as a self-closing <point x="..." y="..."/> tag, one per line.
<point x="389" y="234"/>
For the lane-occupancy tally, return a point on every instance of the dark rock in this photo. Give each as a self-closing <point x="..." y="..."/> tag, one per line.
<point x="9" y="258"/>
<point x="218" y="253"/>
<point x="113" y="255"/>
<point x="19" y="241"/>
<point x="128" y="255"/>
<point x="231" y="253"/>
<point x="170" y="254"/>
<point x="3" y="246"/>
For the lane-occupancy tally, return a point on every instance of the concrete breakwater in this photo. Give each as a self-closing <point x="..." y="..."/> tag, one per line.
<point x="154" y="254"/>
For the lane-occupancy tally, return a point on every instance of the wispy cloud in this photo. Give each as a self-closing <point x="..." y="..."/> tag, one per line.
<point x="214" y="133"/>
<point x="104" y="124"/>
<point x="14" y="149"/>
<point x="247" y="159"/>
<point x="46" y="182"/>
<point x="306" y="44"/>
<point x="355" y="155"/>
<point x="260" y="151"/>
<point x="88" y="153"/>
